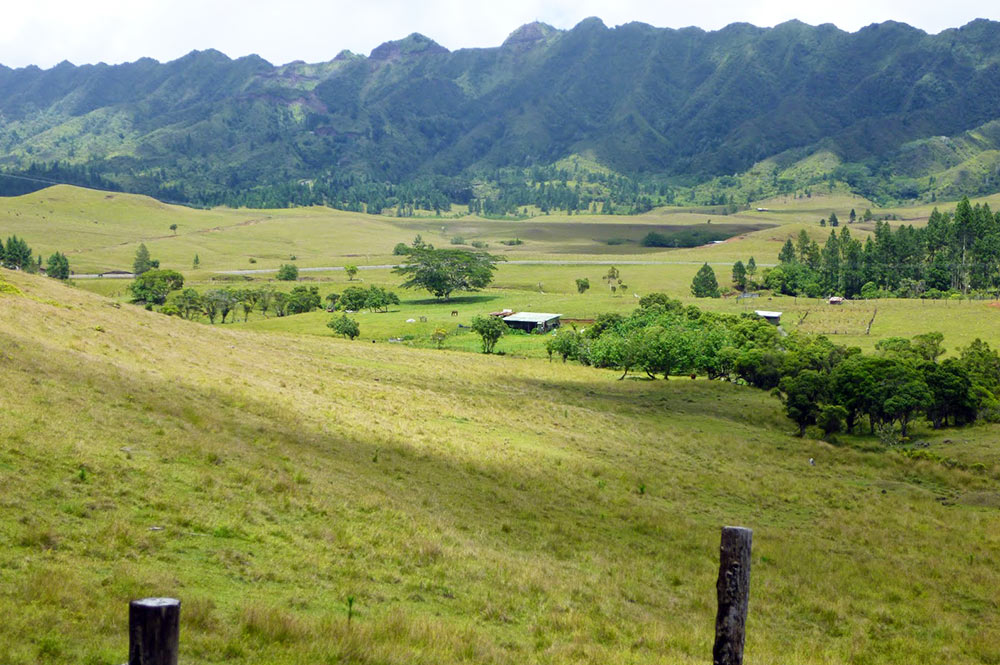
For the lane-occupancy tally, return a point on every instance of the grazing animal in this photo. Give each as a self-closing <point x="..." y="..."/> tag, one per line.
<point x="454" y="312"/>
<point x="812" y="462"/>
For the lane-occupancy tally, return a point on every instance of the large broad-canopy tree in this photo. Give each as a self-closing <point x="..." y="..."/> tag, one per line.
<point x="443" y="271"/>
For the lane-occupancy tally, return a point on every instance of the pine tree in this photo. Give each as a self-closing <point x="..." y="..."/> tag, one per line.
<point x="142" y="262"/>
<point x="787" y="254"/>
<point x="740" y="276"/>
<point x="834" y="222"/>
<point x="196" y="262"/>
<point x="704" y="284"/>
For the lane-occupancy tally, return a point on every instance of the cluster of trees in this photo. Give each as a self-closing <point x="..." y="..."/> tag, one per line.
<point x="819" y="382"/>
<point x="373" y="298"/>
<point x="444" y="271"/>
<point x="955" y="253"/>
<point x="15" y="254"/>
<point x="220" y="303"/>
<point x="548" y="189"/>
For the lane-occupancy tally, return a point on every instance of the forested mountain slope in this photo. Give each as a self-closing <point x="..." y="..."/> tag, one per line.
<point x="681" y="106"/>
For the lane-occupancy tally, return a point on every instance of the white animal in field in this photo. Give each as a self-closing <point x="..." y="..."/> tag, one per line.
<point x="635" y="295"/>
<point x="812" y="462"/>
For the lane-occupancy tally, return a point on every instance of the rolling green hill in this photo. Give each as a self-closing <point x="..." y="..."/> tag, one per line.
<point x="789" y="107"/>
<point x="478" y="509"/>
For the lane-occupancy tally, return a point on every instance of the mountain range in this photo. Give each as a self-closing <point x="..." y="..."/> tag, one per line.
<point x="893" y="112"/>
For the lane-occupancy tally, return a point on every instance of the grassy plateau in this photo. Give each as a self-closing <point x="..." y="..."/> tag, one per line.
<point x="477" y="509"/>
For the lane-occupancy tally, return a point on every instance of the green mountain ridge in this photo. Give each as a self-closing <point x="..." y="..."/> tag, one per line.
<point x="682" y="107"/>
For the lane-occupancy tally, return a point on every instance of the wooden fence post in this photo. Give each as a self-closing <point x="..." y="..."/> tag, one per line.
<point x="153" y="631"/>
<point x="733" y="589"/>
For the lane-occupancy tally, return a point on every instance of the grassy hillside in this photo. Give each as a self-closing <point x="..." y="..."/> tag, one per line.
<point x="100" y="231"/>
<point x="478" y="509"/>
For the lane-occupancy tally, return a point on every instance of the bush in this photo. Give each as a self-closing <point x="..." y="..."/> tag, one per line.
<point x="342" y="325"/>
<point x="288" y="272"/>
<point x="831" y="418"/>
<point x="458" y="240"/>
<point x="490" y="329"/>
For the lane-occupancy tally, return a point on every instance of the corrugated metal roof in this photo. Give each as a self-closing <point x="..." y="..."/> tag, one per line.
<point x="768" y="315"/>
<point x="532" y="317"/>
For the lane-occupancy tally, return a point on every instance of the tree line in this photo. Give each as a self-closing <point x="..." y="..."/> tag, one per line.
<point x="955" y="253"/>
<point x="820" y="383"/>
<point x="17" y="255"/>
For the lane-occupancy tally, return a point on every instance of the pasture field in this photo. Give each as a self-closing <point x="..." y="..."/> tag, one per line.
<point x="517" y="287"/>
<point x="100" y="231"/>
<point x="478" y="509"/>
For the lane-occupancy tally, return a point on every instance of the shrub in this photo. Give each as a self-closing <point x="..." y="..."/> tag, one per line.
<point x="831" y="418"/>
<point x="288" y="272"/>
<point x="342" y="325"/>
<point x="490" y="329"/>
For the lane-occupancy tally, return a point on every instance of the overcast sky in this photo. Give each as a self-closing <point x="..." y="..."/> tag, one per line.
<point x="45" y="32"/>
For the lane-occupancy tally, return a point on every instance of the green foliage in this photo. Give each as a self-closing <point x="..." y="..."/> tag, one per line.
<point x="740" y="276"/>
<point x="142" y="261"/>
<point x="187" y="303"/>
<point x="303" y="299"/>
<point x="16" y="254"/>
<point x="802" y="395"/>
<point x="661" y="300"/>
<point x="831" y="418"/>
<point x="233" y="132"/>
<point x="58" y="266"/>
<point x="490" y="329"/>
<point x="686" y="237"/>
<point x="342" y="325"/>
<point x="444" y="271"/>
<point x="704" y="284"/>
<point x="374" y="298"/>
<point x="288" y="272"/>
<point x="152" y="286"/>
<point x="582" y="285"/>
<point x="566" y="342"/>
<point x="352" y="272"/>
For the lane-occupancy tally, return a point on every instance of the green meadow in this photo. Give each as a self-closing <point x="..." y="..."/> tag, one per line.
<point x="477" y="509"/>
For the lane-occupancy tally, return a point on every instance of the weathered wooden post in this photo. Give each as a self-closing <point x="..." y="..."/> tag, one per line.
<point x="153" y="631"/>
<point x="733" y="589"/>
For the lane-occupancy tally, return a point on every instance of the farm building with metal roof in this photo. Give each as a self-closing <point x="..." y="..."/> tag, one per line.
<point x="533" y="321"/>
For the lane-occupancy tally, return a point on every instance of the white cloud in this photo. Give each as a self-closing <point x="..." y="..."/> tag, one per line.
<point x="44" y="32"/>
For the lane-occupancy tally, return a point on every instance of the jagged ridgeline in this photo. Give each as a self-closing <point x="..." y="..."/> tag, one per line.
<point x="589" y="119"/>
